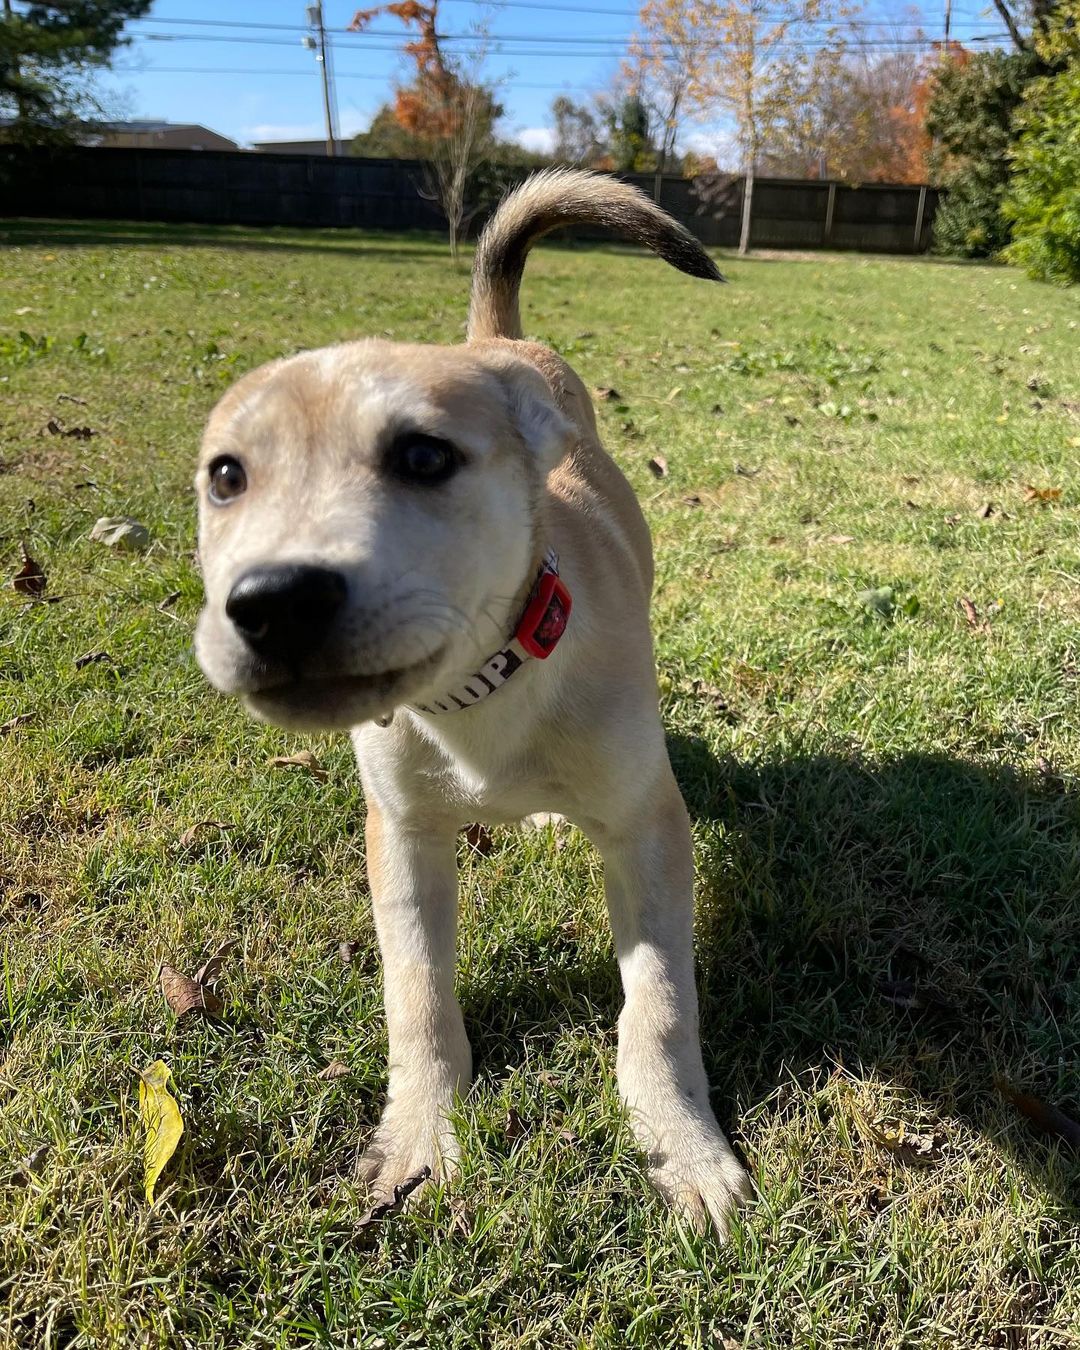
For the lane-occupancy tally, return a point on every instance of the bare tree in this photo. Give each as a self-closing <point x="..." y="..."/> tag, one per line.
<point x="448" y="108"/>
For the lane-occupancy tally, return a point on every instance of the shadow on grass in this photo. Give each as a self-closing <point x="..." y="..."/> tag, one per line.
<point x="917" y="918"/>
<point x="399" y="244"/>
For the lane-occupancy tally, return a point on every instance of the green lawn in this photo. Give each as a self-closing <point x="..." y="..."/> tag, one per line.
<point x="884" y="796"/>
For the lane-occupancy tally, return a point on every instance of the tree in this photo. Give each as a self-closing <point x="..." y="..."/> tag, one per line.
<point x="579" y="137"/>
<point x="971" y="119"/>
<point x="48" y="53"/>
<point x="861" y="118"/>
<point x="666" y="61"/>
<point x="448" y="109"/>
<point x="752" y="69"/>
<point x="629" y="134"/>
<point x="1043" y="201"/>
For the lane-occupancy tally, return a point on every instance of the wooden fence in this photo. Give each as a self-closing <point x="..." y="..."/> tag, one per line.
<point x="234" y="187"/>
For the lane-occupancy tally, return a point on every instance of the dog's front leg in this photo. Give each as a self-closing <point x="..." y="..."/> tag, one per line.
<point x="413" y="877"/>
<point x="649" y="874"/>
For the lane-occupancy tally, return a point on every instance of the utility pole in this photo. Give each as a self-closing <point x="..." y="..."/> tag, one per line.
<point x="319" y="45"/>
<point x="948" y="24"/>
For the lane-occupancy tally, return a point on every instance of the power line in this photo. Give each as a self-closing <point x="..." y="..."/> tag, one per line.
<point x="338" y="75"/>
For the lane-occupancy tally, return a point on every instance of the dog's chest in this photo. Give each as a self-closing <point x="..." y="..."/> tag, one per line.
<point x="484" y="780"/>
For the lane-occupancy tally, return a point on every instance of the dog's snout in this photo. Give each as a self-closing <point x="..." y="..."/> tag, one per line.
<point x="284" y="612"/>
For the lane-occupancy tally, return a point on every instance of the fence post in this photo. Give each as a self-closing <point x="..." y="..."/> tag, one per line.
<point x="830" y="211"/>
<point x="919" y="216"/>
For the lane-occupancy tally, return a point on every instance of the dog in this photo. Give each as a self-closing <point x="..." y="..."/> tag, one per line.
<point x="429" y="547"/>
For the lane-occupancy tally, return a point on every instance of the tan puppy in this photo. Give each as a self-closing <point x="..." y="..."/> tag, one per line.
<point x="376" y="528"/>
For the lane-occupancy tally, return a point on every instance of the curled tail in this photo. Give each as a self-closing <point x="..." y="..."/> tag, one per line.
<point x="554" y="198"/>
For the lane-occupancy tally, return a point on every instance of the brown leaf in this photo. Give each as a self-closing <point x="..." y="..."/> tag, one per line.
<point x="210" y="971"/>
<point x="1048" y="1118"/>
<point x="970" y="612"/>
<point x="185" y="995"/>
<point x="303" y="759"/>
<point x="57" y="428"/>
<point x="347" y="950"/>
<point x="13" y="723"/>
<point x="92" y="659"/>
<point x="401" y="1193"/>
<point x="335" y="1069"/>
<point x="985" y="511"/>
<point x="513" y="1127"/>
<point x="30" y="579"/>
<point x="191" y="834"/>
<point x="1035" y="494"/>
<point x="840" y="539"/>
<point x="30" y="1165"/>
<point x="916" y="1150"/>
<point x="658" y="465"/>
<point x="605" y="395"/>
<point x="478" y="837"/>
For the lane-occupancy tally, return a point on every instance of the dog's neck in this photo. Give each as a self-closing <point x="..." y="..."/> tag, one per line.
<point x="542" y="607"/>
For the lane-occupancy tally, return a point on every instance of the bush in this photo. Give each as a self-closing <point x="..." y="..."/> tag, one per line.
<point x="970" y="117"/>
<point x="1043" y="204"/>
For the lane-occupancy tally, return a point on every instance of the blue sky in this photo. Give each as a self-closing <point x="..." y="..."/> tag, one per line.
<point x="201" y="61"/>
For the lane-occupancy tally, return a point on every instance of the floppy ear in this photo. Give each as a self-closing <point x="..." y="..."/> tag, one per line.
<point x="546" y="433"/>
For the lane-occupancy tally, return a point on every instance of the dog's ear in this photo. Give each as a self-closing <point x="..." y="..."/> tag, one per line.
<point x="545" y="432"/>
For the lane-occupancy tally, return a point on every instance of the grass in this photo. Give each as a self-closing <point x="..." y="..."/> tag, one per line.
<point x="884" y="797"/>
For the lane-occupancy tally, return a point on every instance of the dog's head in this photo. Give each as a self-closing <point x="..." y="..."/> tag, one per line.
<point x="367" y="516"/>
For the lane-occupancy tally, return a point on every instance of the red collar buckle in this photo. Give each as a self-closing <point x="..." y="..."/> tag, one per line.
<point x="544" y="620"/>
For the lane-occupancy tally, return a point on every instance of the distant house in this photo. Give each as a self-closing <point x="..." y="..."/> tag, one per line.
<point x="299" y="147"/>
<point x="157" y="136"/>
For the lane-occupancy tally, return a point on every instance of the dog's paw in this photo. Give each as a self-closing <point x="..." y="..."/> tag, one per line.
<point x="408" y="1149"/>
<point x="703" y="1181"/>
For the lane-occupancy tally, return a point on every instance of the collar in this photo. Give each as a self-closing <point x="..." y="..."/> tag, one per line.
<point x="538" y="631"/>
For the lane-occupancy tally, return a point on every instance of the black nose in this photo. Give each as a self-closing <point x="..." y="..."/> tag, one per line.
<point x="285" y="612"/>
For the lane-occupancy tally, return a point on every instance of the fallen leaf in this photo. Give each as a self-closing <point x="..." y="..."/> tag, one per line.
<point x="303" y="759"/>
<point x="30" y="1165"/>
<point x="985" y="511"/>
<point x="1035" y="494"/>
<point x="191" y="834"/>
<point x="56" y="428"/>
<point x="605" y="395"/>
<point x="121" y="532"/>
<point x="347" y="951"/>
<point x="692" y="499"/>
<point x="881" y="601"/>
<point x="91" y="659"/>
<point x="745" y="472"/>
<point x="674" y="394"/>
<point x="513" y="1126"/>
<point x="912" y="1148"/>
<point x="658" y="465"/>
<point x="162" y="1120"/>
<point x="971" y="614"/>
<point x="210" y="971"/>
<point x="30" y="579"/>
<point x="168" y="602"/>
<point x="185" y="995"/>
<point x="1050" y="1119"/>
<point x="13" y="723"/>
<point x="478" y="837"/>
<point x="335" y="1069"/>
<point x="401" y="1194"/>
<point x="840" y="539"/>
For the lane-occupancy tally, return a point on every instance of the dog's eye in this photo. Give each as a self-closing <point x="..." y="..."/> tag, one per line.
<point x="227" y="479"/>
<point x="423" y="459"/>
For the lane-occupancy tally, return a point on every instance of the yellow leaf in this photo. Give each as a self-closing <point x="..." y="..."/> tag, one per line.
<point x="161" y="1116"/>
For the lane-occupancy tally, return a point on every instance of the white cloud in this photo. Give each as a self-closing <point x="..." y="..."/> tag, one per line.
<point x="349" y="123"/>
<point x="541" y="140"/>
